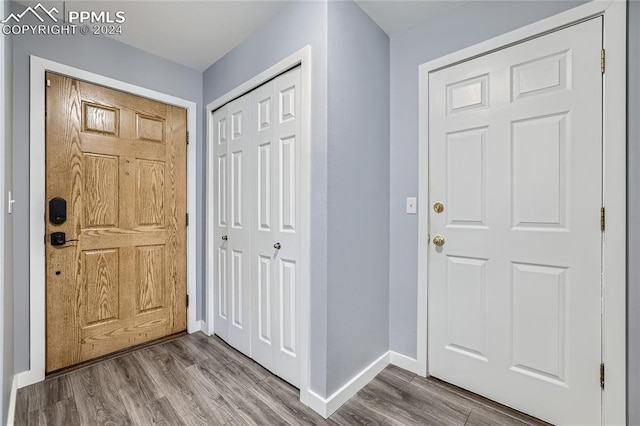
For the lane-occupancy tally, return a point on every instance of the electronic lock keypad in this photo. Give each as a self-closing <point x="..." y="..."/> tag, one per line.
<point x="57" y="210"/>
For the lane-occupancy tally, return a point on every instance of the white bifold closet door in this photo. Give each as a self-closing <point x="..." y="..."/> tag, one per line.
<point x="256" y="229"/>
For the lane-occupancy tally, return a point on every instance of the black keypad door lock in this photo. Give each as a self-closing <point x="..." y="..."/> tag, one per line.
<point x="58" y="239"/>
<point x="57" y="211"/>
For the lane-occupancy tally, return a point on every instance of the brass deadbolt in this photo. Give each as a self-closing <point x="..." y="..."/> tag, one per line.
<point x="438" y="207"/>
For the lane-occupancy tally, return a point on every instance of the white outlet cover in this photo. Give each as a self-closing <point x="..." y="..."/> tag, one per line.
<point x="412" y="205"/>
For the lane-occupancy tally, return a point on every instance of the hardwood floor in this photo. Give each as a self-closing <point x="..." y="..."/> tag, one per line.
<point x="200" y="380"/>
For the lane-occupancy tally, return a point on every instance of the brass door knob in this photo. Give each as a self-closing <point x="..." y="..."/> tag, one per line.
<point x="277" y="246"/>
<point x="224" y="238"/>
<point x="438" y="207"/>
<point x="438" y="240"/>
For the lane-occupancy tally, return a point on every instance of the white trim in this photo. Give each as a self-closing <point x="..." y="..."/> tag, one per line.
<point x="202" y="326"/>
<point x="303" y="58"/>
<point x="3" y="118"/>
<point x="615" y="199"/>
<point x="11" y="415"/>
<point x="327" y="406"/>
<point x="614" y="343"/>
<point x="405" y="362"/>
<point x="39" y="66"/>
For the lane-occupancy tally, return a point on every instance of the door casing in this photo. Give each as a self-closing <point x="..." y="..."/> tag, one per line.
<point x="37" y="270"/>
<point x="614" y="187"/>
<point x="302" y="58"/>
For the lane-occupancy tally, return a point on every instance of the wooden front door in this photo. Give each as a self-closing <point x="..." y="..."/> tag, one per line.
<point x="119" y="162"/>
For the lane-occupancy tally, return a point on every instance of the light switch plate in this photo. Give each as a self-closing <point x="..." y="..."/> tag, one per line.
<point x="412" y="205"/>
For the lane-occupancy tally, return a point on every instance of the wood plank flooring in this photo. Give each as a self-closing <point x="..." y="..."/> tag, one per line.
<point x="200" y="380"/>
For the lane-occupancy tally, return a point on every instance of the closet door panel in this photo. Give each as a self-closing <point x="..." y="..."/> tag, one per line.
<point x="264" y="297"/>
<point x="239" y="226"/>
<point x="220" y="197"/>
<point x="286" y="177"/>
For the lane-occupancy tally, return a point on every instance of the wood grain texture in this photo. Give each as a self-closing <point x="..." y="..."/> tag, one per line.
<point x="200" y="380"/>
<point x="102" y="301"/>
<point x="150" y="193"/>
<point x="123" y="282"/>
<point x="150" y="128"/>
<point x="150" y="277"/>
<point x="100" y="119"/>
<point x="101" y="191"/>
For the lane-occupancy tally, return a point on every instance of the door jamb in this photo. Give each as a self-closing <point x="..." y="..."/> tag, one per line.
<point x="303" y="58"/>
<point x="614" y="186"/>
<point x="37" y="266"/>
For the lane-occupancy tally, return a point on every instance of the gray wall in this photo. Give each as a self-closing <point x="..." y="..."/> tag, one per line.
<point x="633" y="224"/>
<point x="464" y="26"/>
<point x="113" y="59"/>
<point x="297" y="25"/>
<point x="6" y="298"/>
<point x="358" y="190"/>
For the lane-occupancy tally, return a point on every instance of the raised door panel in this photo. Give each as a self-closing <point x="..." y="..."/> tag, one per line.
<point x="538" y="321"/>
<point x="223" y="285"/>
<point x="101" y="191"/>
<point x="287" y="180"/>
<point x="541" y="75"/>
<point x="264" y="187"/>
<point x="150" y="278"/>
<point x="466" y="178"/>
<point x="101" y="119"/>
<point x="150" y="193"/>
<point x="150" y="128"/>
<point x="540" y="170"/>
<point x="288" y="307"/>
<point x="466" y="306"/>
<point x="264" y="305"/>
<point x="468" y="95"/>
<point x="237" y="190"/>
<point x="101" y="286"/>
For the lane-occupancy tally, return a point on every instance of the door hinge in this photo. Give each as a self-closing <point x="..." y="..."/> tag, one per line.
<point x="602" y="61"/>
<point x="48" y="82"/>
<point x="187" y="138"/>
<point x="602" y="218"/>
<point x="602" y="375"/>
<point x="187" y="219"/>
<point x="187" y="300"/>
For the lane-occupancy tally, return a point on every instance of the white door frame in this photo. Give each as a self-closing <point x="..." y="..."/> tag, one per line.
<point x="303" y="58"/>
<point x="614" y="186"/>
<point x="37" y="271"/>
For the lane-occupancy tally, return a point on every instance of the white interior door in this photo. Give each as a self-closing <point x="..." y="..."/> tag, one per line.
<point x="233" y="225"/>
<point x="275" y="240"/>
<point x="515" y="157"/>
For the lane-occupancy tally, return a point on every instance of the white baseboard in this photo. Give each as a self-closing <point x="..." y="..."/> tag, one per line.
<point x="27" y="378"/>
<point x="202" y="326"/>
<point x="12" y="401"/>
<point x="327" y="406"/>
<point x="405" y="362"/>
